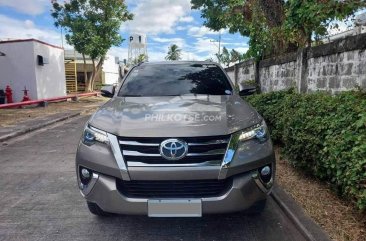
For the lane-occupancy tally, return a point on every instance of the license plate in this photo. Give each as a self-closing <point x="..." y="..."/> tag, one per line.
<point x="175" y="208"/>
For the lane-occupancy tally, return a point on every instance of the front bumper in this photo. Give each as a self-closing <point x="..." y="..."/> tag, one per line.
<point x="245" y="191"/>
<point x="107" y="164"/>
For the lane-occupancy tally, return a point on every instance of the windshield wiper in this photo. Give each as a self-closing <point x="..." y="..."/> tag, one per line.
<point x="131" y="95"/>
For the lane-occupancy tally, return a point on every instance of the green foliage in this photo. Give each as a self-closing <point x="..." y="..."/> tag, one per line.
<point x="236" y="56"/>
<point x="227" y="57"/>
<point x="273" y="26"/>
<point x="92" y="26"/>
<point x="305" y="18"/>
<point x="224" y="56"/>
<point x="322" y="135"/>
<point x="140" y="58"/>
<point x="174" y="53"/>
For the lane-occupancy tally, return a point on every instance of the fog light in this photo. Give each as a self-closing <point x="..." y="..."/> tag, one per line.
<point x="265" y="174"/>
<point x="85" y="173"/>
<point x="266" y="171"/>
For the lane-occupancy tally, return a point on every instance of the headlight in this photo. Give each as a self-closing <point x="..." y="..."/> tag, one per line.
<point x="92" y="135"/>
<point x="259" y="131"/>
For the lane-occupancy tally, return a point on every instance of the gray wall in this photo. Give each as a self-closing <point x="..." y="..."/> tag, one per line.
<point x="333" y="67"/>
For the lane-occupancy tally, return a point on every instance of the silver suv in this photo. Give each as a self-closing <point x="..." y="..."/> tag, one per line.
<point x="175" y="140"/>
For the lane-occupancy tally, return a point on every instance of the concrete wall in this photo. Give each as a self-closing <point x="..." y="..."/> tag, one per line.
<point x="246" y="71"/>
<point x="242" y="72"/>
<point x="19" y="69"/>
<point x="231" y="73"/>
<point x="279" y="73"/>
<point x="337" y="67"/>
<point x="332" y="67"/>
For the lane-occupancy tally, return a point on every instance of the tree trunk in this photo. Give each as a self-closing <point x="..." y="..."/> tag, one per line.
<point x="309" y="40"/>
<point x="88" y="86"/>
<point x="85" y="73"/>
<point x="96" y="70"/>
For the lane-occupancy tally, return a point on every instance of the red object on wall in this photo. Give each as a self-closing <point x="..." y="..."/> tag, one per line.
<point x="25" y="97"/>
<point x="9" y="94"/>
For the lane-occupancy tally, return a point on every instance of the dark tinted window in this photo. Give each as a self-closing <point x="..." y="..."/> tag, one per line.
<point x="175" y="79"/>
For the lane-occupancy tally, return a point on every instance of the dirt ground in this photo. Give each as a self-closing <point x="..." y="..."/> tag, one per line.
<point x="85" y="104"/>
<point x="338" y="217"/>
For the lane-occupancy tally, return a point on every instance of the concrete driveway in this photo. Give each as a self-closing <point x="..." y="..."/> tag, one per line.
<point x="40" y="201"/>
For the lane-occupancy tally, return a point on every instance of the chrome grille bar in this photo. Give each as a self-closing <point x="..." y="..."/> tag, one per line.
<point x="145" y="151"/>
<point x="212" y="152"/>
<point x="135" y="143"/>
<point x="200" y="164"/>
<point x="136" y="153"/>
<point x="208" y="143"/>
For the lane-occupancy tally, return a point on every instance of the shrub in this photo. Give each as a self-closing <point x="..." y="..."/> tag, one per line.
<point x="322" y="135"/>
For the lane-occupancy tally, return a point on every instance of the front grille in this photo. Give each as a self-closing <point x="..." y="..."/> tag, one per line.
<point x="200" y="149"/>
<point x="174" y="189"/>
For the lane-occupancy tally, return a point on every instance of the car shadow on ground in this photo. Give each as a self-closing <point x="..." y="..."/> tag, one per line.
<point x="269" y="225"/>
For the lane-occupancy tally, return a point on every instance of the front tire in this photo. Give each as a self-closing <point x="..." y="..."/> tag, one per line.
<point x="96" y="210"/>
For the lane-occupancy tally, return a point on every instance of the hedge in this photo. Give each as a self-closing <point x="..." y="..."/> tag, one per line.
<point x="322" y="135"/>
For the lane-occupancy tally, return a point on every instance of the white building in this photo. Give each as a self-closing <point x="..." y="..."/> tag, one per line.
<point x="110" y="68"/>
<point x="34" y="65"/>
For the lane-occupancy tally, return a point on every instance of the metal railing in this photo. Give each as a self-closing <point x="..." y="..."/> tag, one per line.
<point x="54" y="99"/>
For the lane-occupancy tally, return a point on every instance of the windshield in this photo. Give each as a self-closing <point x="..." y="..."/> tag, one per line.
<point x="175" y="79"/>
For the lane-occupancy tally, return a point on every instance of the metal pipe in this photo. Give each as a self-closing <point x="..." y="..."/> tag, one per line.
<point x="33" y="102"/>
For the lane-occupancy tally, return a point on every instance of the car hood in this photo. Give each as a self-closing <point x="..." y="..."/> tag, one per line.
<point x="174" y="116"/>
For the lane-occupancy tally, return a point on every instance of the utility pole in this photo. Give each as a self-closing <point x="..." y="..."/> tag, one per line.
<point x="62" y="39"/>
<point x="218" y="41"/>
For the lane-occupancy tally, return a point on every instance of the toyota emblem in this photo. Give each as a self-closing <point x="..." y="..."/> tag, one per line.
<point x="173" y="149"/>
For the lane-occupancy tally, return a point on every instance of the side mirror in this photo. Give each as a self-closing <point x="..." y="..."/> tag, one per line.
<point x="108" y="91"/>
<point x="247" y="90"/>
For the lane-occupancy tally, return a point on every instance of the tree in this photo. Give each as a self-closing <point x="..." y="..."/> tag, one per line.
<point x="235" y="56"/>
<point x="92" y="27"/>
<point x="174" y="53"/>
<point x="140" y="58"/>
<point x="227" y="57"/>
<point x="275" y="26"/>
<point x="224" y="56"/>
<point x="305" y="19"/>
<point x="251" y="18"/>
